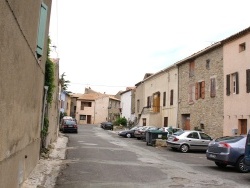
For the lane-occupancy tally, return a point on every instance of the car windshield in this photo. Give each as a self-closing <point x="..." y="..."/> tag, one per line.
<point x="134" y="128"/>
<point x="229" y="139"/>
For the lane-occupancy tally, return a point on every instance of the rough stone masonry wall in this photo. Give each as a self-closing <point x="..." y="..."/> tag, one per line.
<point x="208" y="111"/>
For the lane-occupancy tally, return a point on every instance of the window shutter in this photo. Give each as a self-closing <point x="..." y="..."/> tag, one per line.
<point x="248" y="80"/>
<point x="196" y="90"/>
<point x="237" y="82"/>
<point x="41" y="29"/>
<point x="203" y="90"/>
<point x="171" y="97"/>
<point x="213" y="88"/>
<point x="228" y="85"/>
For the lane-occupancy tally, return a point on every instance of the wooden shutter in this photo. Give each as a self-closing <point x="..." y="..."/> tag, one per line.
<point x="171" y="97"/>
<point x="196" y="90"/>
<point x="203" y="89"/>
<point x="212" y="88"/>
<point x="41" y="30"/>
<point x="248" y="80"/>
<point x="237" y="82"/>
<point x="228" y="85"/>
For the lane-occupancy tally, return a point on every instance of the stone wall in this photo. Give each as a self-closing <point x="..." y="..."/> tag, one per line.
<point x="207" y="112"/>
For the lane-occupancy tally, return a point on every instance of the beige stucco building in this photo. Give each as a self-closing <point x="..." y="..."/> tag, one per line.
<point x="94" y="108"/>
<point x="24" y="29"/>
<point x="236" y="55"/>
<point x="159" y="96"/>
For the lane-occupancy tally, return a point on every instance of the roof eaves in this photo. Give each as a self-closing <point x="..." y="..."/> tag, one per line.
<point x="199" y="53"/>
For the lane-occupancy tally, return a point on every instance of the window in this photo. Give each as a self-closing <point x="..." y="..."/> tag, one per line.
<point x="82" y="117"/>
<point x="62" y="104"/>
<point x="212" y="87"/>
<point x="208" y="64"/>
<point x="191" y="93"/>
<point x="248" y="80"/>
<point x="232" y="83"/>
<point x="191" y="69"/>
<point x="200" y="90"/>
<point x="205" y="136"/>
<point x="164" y="98"/>
<point x="242" y="47"/>
<point x="138" y="105"/>
<point x="41" y="30"/>
<point x="149" y="102"/>
<point x="85" y="104"/>
<point x="171" y="97"/>
<point x="193" y="135"/>
<point x="156" y="102"/>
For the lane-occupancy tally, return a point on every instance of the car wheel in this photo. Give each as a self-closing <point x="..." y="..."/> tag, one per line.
<point x="240" y="166"/>
<point x="221" y="165"/>
<point x="128" y="135"/>
<point x="184" y="148"/>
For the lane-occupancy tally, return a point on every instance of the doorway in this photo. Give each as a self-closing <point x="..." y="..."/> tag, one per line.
<point x="242" y="126"/>
<point x="88" y="119"/>
<point x="165" y="121"/>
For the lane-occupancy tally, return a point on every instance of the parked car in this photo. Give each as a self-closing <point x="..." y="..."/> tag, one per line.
<point x="140" y="133"/>
<point x="69" y="126"/>
<point x="228" y="150"/>
<point x="170" y="130"/>
<point x="63" y="120"/>
<point x="107" y="125"/>
<point x="128" y="133"/>
<point x="188" y="140"/>
<point x="246" y="160"/>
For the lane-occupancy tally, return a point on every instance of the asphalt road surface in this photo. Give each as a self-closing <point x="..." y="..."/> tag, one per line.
<point x="98" y="158"/>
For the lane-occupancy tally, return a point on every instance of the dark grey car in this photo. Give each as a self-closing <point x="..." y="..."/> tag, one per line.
<point x="228" y="150"/>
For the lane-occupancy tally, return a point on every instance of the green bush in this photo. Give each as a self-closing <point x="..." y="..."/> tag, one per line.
<point x="121" y="121"/>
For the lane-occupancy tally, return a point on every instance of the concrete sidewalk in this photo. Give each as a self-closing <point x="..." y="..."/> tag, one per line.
<point x="46" y="171"/>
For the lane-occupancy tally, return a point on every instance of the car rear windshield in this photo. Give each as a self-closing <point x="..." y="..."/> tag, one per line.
<point x="178" y="133"/>
<point x="70" y="122"/>
<point x="229" y="139"/>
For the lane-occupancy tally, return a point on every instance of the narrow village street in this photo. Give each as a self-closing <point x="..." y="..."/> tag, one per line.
<point x="100" y="158"/>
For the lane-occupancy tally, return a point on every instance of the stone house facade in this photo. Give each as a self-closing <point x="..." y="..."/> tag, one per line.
<point x="236" y="55"/>
<point x="24" y="29"/>
<point x="201" y="91"/>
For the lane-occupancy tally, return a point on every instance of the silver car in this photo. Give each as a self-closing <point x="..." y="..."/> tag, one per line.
<point x="188" y="140"/>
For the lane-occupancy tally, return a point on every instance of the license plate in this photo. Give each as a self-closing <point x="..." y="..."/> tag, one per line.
<point x="70" y="126"/>
<point x="212" y="156"/>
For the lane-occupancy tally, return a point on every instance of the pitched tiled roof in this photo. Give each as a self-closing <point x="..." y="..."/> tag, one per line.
<point x="91" y="96"/>
<point x="112" y="97"/>
<point x="237" y="35"/>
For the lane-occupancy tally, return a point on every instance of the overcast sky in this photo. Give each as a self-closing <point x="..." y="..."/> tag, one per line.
<point x="109" y="45"/>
